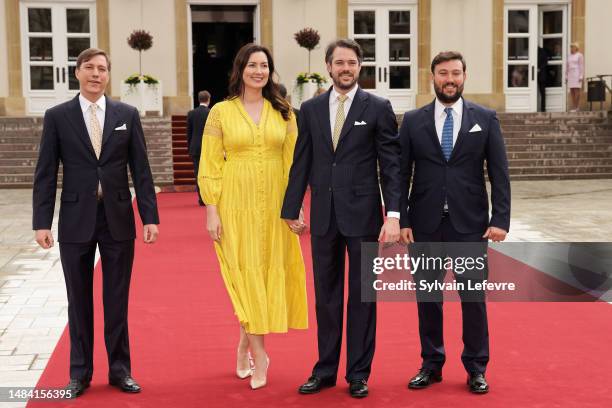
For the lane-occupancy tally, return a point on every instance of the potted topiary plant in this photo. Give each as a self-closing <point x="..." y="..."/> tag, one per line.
<point x="141" y="90"/>
<point x="307" y="83"/>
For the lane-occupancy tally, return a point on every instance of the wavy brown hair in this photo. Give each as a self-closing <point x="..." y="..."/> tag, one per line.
<point x="270" y="91"/>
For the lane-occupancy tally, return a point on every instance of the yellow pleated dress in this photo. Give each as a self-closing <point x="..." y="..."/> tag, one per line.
<point x="244" y="168"/>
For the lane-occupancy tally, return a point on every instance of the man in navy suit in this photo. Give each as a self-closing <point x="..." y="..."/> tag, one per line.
<point x="448" y="142"/>
<point x="343" y="134"/>
<point x="196" y="119"/>
<point x="96" y="139"/>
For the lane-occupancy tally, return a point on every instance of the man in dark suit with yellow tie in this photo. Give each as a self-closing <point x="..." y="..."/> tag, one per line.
<point x="95" y="139"/>
<point x="344" y="134"/>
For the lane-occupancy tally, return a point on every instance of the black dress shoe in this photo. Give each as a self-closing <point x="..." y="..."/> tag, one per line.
<point x="425" y="378"/>
<point x="316" y="384"/>
<point x="478" y="384"/>
<point x="75" y="388"/>
<point x="358" y="388"/>
<point x="125" y="384"/>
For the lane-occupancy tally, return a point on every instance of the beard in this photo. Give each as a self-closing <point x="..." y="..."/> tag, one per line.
<point x="340" y="85"/>
<point x="445" y="98"/>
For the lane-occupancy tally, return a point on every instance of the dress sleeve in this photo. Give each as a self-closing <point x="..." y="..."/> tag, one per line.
<point x="289" y="145"/>
<point x="212" y="158"/>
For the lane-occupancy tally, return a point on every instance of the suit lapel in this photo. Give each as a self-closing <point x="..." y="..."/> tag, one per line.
<point x="75" y="117"/>
<point x="466" y="125"/>
<point x="357" y="108"/>
<point x="110" y="120"/>
<point x="322" y="109"/>
<point x="430" y="127"/>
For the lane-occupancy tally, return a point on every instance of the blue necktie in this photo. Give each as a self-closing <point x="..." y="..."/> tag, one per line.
<point x="447" y="134"/>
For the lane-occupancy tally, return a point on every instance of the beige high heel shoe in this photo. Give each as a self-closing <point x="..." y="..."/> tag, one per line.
<point x="242" y="374"/>
<point x="256" y="384"/>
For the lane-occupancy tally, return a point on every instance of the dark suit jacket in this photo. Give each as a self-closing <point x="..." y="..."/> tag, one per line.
<point x="461" y="179"/>
<point x="65" y="139"/>
<point x="347" y="177"/>
<point x="196" y="119"/>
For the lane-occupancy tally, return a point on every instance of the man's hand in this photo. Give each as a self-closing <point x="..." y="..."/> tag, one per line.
<point x="406" y="236"/>
<point x="495" y="234"/>
<point x="390" y="231"/>
<point x="150" y="233"/>
<point x="44" y="238"/>
<point x="297" y="226"/>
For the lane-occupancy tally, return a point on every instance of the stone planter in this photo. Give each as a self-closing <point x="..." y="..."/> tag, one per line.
<point x="145" y="97"/>
<point x="303" y="92"/>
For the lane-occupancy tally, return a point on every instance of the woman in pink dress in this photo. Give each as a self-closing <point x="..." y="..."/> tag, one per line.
<point x="574" y="75"/>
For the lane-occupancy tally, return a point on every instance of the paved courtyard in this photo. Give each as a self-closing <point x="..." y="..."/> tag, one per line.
<point x="33" y="305"/>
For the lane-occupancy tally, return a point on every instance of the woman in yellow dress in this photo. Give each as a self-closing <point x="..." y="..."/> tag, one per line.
<point x="247" y="151"/>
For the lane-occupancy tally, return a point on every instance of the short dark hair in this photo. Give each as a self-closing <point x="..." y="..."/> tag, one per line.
<point x="283" y="90"/>
<point x="445" y="56"/>
<point x="204" y="96"/>
<point x="343" y="43"/>
<point x="89" y="53"/>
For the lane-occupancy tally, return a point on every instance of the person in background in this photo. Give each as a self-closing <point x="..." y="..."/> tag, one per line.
<point x="196" y="119"/>
<point x="283" y="91"/>
<point x="574" y="75"/>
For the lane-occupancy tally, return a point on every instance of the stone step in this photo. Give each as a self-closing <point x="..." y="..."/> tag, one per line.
<point x="553" y="176"/>
<point x="520" y="163"/>
<point x="561" y="169"/>
<point x="558" y="147"/>
<point x="36" y="139"/>
<point x="550" y="128"/>
<point x="551" y="115"/>
<point x="183" y="166"/>
<point x="557" y="133"/>
<point x="552" y="140"/>
<point x="573" y="154"/>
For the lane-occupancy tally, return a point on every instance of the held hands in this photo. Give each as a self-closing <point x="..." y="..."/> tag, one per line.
<point x="390" y="231"/>
<point x="297" y="226"/>
<point x="213" y="222"/>
<point x="44" y="238"/>
<point x="495" y="234"/>
<point x="150" y="233"/>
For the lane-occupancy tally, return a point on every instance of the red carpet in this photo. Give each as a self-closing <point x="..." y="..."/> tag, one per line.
<point x="183" y="340"/>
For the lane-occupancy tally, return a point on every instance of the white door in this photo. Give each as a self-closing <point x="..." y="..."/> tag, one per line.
<point x="53" y="35"/>
<point x="520" y="58"/>
<point x="387" y="35"/>
<point x="553" y="40"/>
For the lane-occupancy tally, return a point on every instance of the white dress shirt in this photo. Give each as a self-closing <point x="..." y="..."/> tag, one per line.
<point x="333" y="108"/>
<point x="440" y="117"/>
<point x="100" y="110"/>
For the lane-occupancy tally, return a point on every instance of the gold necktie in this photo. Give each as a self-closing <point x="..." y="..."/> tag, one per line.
<point x="339" y="120"/>
<point x="95" y="135"/>
<point x="95" y="132"/>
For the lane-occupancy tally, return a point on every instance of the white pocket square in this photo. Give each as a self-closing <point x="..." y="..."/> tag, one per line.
<point x="122" y="127"/>
<point x="476" y="128"/>
<point x="361" y="123"/>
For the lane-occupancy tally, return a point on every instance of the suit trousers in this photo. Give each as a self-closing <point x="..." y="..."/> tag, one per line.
<point x="328" y="255"/>
<point x="475" y="355"/>
<point x="78" y="265"/>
